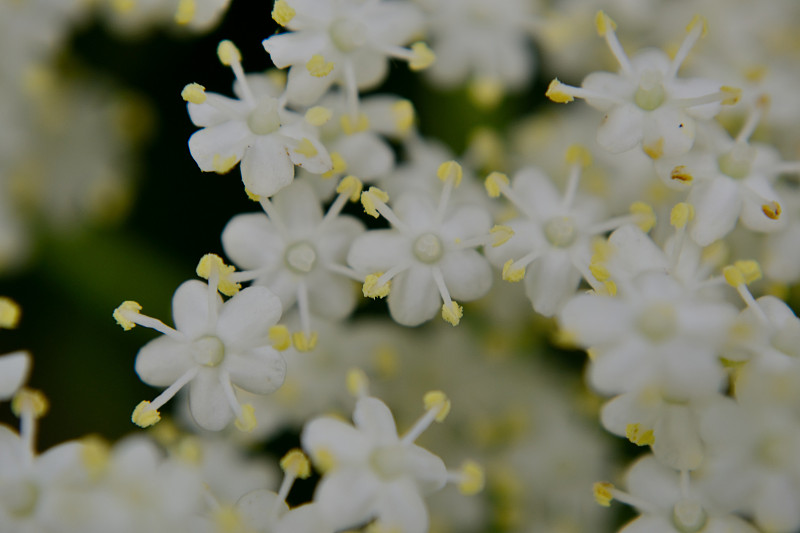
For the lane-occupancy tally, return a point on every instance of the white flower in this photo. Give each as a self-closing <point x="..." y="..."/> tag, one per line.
<point x="255" y="129"/>
<point x="646" y="104"/>
<point x="428" y="256"/>
<point x="214" y="348"/>
<point x="296" y="252"/>
<point x="370" y="472"/>
<point x="348" y="42"/>
<point x="14" y="370"/>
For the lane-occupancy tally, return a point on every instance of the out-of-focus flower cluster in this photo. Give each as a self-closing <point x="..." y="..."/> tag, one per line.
<point x="654" y="226"/>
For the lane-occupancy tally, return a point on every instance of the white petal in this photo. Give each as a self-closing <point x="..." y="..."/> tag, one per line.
<point x="251" y="241"/>
<point x="669" y="130"/>
<point x="653" y="482"/>
<point x="331" y="295"/>
<point x="190" y="306"/>
<point x="299" y="207"/>
<point x="752" y="215"/>
<point x="606" y="83"/>
<point x="414" y="297"/>
<point x="266" y="166"/>
<point x="14" y="370"/>
<point x="467" y="274"/>
<point x="374" y="418"/>
<point x="163" y="360"/>
<point x="466" y="221"/>
<point x="551" y="281"/>
<point x="776" y="503"/>
<point x="209" y="114"/>
<point x="426" y="469"/>
<point x="245" y="319"/>
<point x="717" y="205"/>
<point x="303" y="89"/>
<point x="621" y="128"/>
<point x="379" y="250"/>
<point x="366" y="155"/>
<point x="347" y="444"/>
<point x="400" y="507"/>
<point x="346" y="497"/>
<point x="207" y="401"/>
<point x="259" y="371"/>
<point x="677" y="442"/>
<point x="228" y="139"/>
<point x="294" y="48"/>
<point x="596" y="320"/>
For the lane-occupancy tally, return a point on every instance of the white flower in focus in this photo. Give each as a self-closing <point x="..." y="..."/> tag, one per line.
<point x="646" y="104"/>
<point x="348" y="42"/>
<point x="428" y="256"/>
<point x="371" y="472"/>
<point x="215" y="347"/>
<point x="255" y="129"/>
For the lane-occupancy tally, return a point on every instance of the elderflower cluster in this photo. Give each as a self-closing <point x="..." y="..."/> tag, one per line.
<point x="604" y="288"/>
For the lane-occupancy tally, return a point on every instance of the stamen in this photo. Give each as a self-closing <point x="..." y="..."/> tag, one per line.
<point x="753" y="118"/>
<point x="451" y="311"/>
<point x="294" y="465"/>
<point x="726" y="96"/>
<point x="282" y="12"/>
<point x="696" y="29"/>
<point x="146" y="413"/>
<point x="230" y="56"/>
<point x="470" y="479"/>
<point x="212" y="263"/>
<point x="605" y="28"/>
<point x="127" y="315"/>
<point x="450" y="173"/>
<point x="10" y="312"/>
<point x="357" y="383"/>
<point x="194" y="93"/>
<point x="437" y="407"/>
<point x="562" y="93"/>
<point x="29" y="405"/>
<point x="279" y="337"/>
<point x="738" y="276"/>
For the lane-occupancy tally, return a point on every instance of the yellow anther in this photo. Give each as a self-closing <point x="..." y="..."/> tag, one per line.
<point x="189" y="450"/>
<point x="599" y="270"/>
<point x="485" y="92"/>
<point x="350" y="126"/>
<point x="645" y="215"/>
<point x="371" y="289"/>
<point x="228" y="53"/>
<point x="318" y="115"/>
<point x="579" y="154"/>
<point x="681" y="174"/>
<point x="247" y="421"/>
<point x="351" y="186"/>
<point x="681" y="215"/>
<point x="223" y="165"/>
<point x="698" y="19"/>
<point x="750" y="269"/>
<point x="602" y="249"/>
<point x="279" y="337"/>
<point x="369" y="197"/>
<point x="472" y="478"/>
<point x="357" y="382"/>
<point x="450" y="170"/>
<point x="296" y="463"/>
<point x="610" y="288"/>
<point x="282" y="12"/>
<point x="324" y="460"/>
<point x="756" y="73"/>
<point x="772" y="210"/>
<point x="10" y="312"/>
<point x="211" y="263"/>
<point x="194" y="93"/>
<point x="452" y="314"/>
<point x="764" y="101"/>
<point x="339" y="165"/>
<point x="318" y="67"/>
<point x="30" y="401"/>
<point x="94" y="454"/>
<point x="591" y="353"/>
<point x="423" y="57"/>
<point x="387" y="362"/>
<point x="306" y="147"/>
<point x="438" y="400"/>
<point x="185" y="11"/>
<point x="303" y="342"/>
<point x="604" y="23"/>
<point x="494" y="183"/>
<point x="404" y="116"/>
<point x="734" y="276"/>
<point x="638" y="435"/>
<point x="143" y="416"/>
<point x="128" y="307"/>
<point x="251" y="195"/>
<point x="656" y="149"/>
<point x="123" y="6"/>
<point x="734" y="94"/>
<point x="602" y="493"/>
<point x="512" y="275"/>
<point x="227" y="519"/>
<point x="501" y="235"/>
<point x="556" y="93"/>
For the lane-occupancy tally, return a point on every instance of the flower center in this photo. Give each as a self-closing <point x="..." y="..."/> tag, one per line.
<point x="650" y="94"/>
<point x="300" y="257"/>
<point x="658" y="322"/>
<point x="428" y="248"/>
<point x="208" y="351"/>
<point x="348" y="34"/>
<point x="20" y="497"/>
<point x="264" y="119"/>
<point x="689" y="516"/>
<point x="388" y="462"/>
<point x="736" y="162"/>
<point x="560" y="231"/>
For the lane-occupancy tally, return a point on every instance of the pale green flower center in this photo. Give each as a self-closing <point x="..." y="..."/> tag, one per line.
<point x="208" y="351"/>
<point x="650" y="94"/>
<point x="348" y="34"/>
<point x="737" y="161"/>
<point x="560" y="231"/>
<point x="428" y="248"/>
<point x="20" y="497"/>
<point x="264" y="119"/>
<point x="388" y="462"/>
<point x="300" y="257"/>
<point x="658" y="322"/>
<point x="689" y="516"/>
